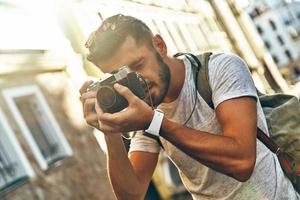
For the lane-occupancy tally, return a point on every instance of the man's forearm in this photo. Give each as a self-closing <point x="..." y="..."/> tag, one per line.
<point x="124" y="181"/>
<point x="221" y="153"/>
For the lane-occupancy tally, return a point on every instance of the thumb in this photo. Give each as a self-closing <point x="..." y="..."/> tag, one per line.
<point x="125" y="92"/>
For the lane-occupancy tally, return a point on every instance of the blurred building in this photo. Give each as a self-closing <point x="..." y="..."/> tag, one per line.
<point x="46" y="149"/>
<point x="278" y="23"/>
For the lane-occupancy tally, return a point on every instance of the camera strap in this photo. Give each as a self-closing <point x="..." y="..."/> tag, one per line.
<point x="196" y="65"/>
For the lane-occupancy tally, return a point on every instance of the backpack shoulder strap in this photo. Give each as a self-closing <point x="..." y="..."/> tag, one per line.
<point x="202" y="85"/>
<point x="201" y="76"/>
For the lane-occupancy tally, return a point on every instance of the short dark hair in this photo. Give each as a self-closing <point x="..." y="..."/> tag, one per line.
<point x="112" y="33"/>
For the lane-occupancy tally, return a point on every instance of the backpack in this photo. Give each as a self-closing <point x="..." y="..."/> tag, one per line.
<point x="282" y="114"/>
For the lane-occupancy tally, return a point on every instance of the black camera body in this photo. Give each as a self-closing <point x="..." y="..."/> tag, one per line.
<point x="108" y="98"/>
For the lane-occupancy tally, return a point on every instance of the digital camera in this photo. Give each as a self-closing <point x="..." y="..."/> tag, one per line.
<point x="108" y="98"/>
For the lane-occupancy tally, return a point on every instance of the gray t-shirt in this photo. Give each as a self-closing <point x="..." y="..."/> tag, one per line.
<point x="229" y="77"/>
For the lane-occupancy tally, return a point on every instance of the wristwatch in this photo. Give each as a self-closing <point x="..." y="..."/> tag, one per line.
<point x="155" y="124"/>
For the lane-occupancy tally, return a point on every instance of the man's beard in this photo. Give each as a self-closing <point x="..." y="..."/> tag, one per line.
<point x="164" y="75"/>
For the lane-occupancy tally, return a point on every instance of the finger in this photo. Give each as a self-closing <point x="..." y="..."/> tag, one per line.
<point x="89" y="106"/>
<point x="85" y="86"/>
<point x="111" y="118"/>
<point x="92" y="120"/>
<point x="115" y="118"/>
<point x="108" y="124"/>
<point x="95" y="125"/>
<point x="87" y="95"/>
<point x="125" y="92"/>
<point x="108" y="128"/>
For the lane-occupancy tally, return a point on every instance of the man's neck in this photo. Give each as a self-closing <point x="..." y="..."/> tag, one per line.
<point x="177" y="76"/>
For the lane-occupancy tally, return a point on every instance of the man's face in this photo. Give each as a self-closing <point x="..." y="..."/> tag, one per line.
<point x="145" y="61"/>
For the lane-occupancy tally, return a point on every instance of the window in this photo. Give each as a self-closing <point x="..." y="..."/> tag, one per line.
<point x="288" y="55"/>
<point x="273" y="25"/>
<point x="280" y="40"/>
<point x="257" y="11"/>
<point x="259" y="29"/>
<point x="275" y="58"/>
<point x="15" y="169"/>
<point x="253" y="14"/>
<point x="287" y="21"/>
<point x="38" y="125"/>
<point x="268" y="45"/>
<point x="297" y="71"/>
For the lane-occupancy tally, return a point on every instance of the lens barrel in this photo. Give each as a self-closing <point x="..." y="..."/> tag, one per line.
<point x="106" y="97"/>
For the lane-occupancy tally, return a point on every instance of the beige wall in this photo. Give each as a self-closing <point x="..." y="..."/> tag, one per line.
<point x="83" y="175"/>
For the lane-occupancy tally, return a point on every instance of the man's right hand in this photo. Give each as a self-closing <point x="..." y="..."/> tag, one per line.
<point x="88" y="100"/>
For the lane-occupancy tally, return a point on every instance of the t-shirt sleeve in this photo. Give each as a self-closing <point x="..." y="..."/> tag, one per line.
<point x="144" y="143"/>
<point x="229" y="78"/>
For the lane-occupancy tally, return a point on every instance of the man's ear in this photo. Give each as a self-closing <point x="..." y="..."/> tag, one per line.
<point x="160" y="45"/>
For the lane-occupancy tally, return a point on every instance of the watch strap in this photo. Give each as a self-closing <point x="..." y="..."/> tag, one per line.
<point x="156" y="122"/>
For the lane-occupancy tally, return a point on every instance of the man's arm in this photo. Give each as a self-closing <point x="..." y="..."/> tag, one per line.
<point x="131" y="176"/>
<point x="233" y="153"/>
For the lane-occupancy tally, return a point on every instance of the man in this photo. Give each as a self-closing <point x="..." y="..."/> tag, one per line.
<point x="216" y="151"/>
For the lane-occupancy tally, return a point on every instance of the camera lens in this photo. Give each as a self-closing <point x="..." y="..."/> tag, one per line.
<point x="106" y="97"/>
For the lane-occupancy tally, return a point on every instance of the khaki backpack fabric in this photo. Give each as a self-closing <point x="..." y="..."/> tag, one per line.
<point x="283" y="118"/>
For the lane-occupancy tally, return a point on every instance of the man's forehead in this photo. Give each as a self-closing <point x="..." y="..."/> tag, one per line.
<point x="115" y="67"/>
<point x="128" y="54"/>
<point x="116" y="63"/>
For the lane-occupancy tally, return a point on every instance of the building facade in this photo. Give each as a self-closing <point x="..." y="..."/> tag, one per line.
<point x="46" y="149"/>
<point x="278" y="23"/>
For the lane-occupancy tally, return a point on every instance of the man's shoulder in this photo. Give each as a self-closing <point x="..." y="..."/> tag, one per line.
<point x="217" y="59"/>
<point x="226" y="63"/>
